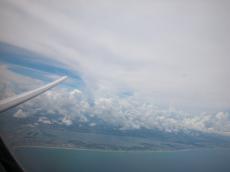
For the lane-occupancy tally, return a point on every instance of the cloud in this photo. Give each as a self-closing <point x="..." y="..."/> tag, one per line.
<point x="176" y="52"/>
<point x="129" y="113"/>
<point x="20" y="114"/>
<point x="66" y="121"/>
<point x="161" y="53"/>
<point x="133" y="112"/>
<point x="92" y="124"/>
<point x="44" y="120"/>
<point x="12" y="83"/>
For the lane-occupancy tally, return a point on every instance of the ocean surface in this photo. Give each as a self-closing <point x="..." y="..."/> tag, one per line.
<point x="35" y="159"/>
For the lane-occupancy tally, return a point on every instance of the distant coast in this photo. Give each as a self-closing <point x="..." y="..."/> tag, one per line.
<point x="110" y="150"/>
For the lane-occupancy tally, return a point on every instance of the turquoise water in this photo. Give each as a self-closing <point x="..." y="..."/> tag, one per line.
<point x="67" y="160"/>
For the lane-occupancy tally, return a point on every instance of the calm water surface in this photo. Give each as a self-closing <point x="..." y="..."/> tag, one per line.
<point x="67" y="160"/>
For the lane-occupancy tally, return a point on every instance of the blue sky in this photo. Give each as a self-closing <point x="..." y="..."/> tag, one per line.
<point x="36" y="65"/>
<point x="174" y="55"/>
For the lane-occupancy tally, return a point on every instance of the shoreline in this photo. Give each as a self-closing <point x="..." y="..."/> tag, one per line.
<point x="111" y="150"/>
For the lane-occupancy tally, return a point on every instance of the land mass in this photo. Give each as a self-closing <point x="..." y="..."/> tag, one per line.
<point x="27" y="132"/>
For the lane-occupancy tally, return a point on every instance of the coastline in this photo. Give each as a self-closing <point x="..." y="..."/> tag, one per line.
<point x="111" y="150"/>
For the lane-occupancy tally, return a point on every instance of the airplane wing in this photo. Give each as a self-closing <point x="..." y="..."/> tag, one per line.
<point x="11" y="102"/>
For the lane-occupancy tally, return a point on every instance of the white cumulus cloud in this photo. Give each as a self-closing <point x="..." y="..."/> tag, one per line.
<point x="20" y="114"/>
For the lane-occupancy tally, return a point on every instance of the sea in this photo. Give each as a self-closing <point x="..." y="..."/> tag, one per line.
<point x="40" y="159"/>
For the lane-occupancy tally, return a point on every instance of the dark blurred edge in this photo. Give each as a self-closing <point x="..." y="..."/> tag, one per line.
<point x="8" y="162"/>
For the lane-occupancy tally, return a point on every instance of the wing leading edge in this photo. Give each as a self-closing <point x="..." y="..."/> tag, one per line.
<point x="21" y="98"/>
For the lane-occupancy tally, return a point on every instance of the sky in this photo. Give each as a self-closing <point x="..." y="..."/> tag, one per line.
<point x="145" y="63"/>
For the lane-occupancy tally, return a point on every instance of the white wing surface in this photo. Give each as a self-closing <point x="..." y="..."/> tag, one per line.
<point x="10" y="102"/>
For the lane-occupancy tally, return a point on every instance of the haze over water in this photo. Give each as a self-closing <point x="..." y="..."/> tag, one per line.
<point x="60" y="160"/>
